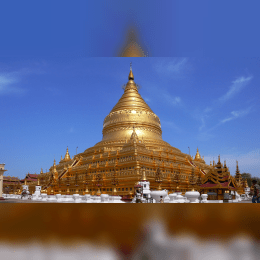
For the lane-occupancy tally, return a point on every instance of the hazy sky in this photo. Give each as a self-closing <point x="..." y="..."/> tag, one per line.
<point x="58" y="80"/>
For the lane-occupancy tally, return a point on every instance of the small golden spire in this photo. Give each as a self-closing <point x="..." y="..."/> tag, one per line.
<point x="134" y="136"/>
<point x="41" y="171"/>
<point x="219" y="158"/>
<point x="144" y="176"/>
<point x="131" y="75"/>
<point x="67" y="156"/>
<point x="54" y="164"/>
<point x="61" y="158"/>
<point x="197" y="156"/>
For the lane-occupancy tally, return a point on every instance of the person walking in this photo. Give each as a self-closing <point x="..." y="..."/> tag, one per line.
<point x="255" y="191"/>
<point x="161" y="199"/>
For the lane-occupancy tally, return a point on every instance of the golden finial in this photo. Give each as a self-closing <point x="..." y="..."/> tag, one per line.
<point x="67" y="156"/>
<point x="219" y="158"/>
<point x="61" y="158"/>
<point x="197" y="156"/>
<point x="144" y="176"/>
<point x="225" y="164"/>
<point x="131" y="75"/>
<point x="54" y="164"/>
<point x="41" y="171"/>
<point x="210" y="163"/>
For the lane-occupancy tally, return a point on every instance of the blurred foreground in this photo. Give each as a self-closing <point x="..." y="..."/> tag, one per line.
<point x="129" y="231"/>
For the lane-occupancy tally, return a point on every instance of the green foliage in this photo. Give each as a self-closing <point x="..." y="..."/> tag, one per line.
<point x="249" y="178"/>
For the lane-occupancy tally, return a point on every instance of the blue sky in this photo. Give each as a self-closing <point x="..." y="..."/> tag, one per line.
<point x="58" y="79"/>
<point x="167" y="28"/>
<point x="49" y="104"/>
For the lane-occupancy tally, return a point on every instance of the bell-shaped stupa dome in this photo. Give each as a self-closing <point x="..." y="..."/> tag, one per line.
<point x="131" y="111"/>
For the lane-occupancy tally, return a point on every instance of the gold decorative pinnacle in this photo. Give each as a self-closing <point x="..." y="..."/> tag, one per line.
<point x="67" y="156"/>
<point x="131" y="75"/>
<point x="144" y="176"/>
<point x="197" y="156"/>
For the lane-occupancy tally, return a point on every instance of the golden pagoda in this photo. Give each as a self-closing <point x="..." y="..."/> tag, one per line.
<point x="132" y="140"/>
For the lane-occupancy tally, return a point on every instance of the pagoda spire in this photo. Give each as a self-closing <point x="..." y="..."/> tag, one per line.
<point x="197" y="156"/>
<point x="131" y="75"/>
<point x="67" y="155"/>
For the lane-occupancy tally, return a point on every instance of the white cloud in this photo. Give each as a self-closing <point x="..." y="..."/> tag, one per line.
<point x="172" y="100"/>
<point x="174" y="66"/>
<point x="147" y="99"/>
<point x="6" y="84"/>
<point x="236" y="114"/>
<point x="237" y="86"/>
<point x="177" y="65"/>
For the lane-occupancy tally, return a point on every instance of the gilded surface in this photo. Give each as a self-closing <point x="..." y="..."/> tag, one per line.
<point x="131" y="147"/>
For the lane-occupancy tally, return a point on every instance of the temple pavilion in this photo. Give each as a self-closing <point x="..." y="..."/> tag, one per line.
<point x="132" y="143"/>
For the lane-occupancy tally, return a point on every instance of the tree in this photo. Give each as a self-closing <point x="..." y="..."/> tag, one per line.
<point x="257" y="179"/>
<point x="248" y="177"/>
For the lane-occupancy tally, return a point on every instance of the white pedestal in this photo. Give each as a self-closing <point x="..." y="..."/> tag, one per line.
<point x="87" y="198"/>
<point x="104" y="198"/>
<point x="204" y="198"/>
<point x="180" y="199"/>
<point x="34" y="197"/>
<point x="96" y="199"/>
<point x="117" y="199"/>
<point x="76" y="198"/>
<point x="167" y="199"/>
<point x="68" y="199"/>
<point x="173" y="198"/>
<point x="58" y="198"/>
<point x="51" y="198"/>
<point x="192" y="196"/>
<point x="44" y="197"/>
<point x="157" y="194"/>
